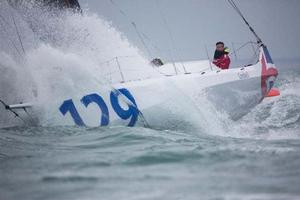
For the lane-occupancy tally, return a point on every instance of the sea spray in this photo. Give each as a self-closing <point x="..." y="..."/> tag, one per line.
<point x="65" y="54"/>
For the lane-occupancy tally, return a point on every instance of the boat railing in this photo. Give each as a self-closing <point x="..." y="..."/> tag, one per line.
<point x="124" y="68"/>
<point x="120" y="69"/>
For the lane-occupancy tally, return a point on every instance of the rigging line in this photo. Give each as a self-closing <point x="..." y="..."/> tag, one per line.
<point x="120" y="10"/>
<point x="25" y="110"/>
<point x="8" y="37"/>
<point x="114" y="58"/>
<point x="255" y="51"/>
<point x="234" y="52"/>
<point x="235" y="7"/>
<point x="142" y="40"/>
<point x="170" y="51"/>
<point x="129" y="103"/>
<point x="107" y="61"/>
<point x="18" y="33"/>
<point x="138" y="32"/>
<point x="251" y="60"/>
<point x="253" y="48"/>
<point x="12" y="111"/>
<point x="152" y="43"/>
<point x="238" y="49"/>
<point x="31" y="118"/>
<point x="170" y="34"/>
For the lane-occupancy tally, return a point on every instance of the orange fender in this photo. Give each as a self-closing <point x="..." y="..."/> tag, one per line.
<point x="273" y="92"/>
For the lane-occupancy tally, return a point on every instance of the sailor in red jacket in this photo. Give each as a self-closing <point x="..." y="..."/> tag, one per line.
<point x="221" y="57"/>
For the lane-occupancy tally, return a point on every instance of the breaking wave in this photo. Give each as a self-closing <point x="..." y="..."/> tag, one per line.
<point x="49" y="53"/>
<point x="64" y="50"/>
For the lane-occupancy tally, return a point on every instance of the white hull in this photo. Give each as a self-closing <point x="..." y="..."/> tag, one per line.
<point x="166" y="102"/>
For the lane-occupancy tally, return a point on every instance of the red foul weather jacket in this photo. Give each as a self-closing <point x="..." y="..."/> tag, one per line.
<point x="223" y="62"/>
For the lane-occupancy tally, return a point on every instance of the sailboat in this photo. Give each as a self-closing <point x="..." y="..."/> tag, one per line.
<point x="161" y="102"/>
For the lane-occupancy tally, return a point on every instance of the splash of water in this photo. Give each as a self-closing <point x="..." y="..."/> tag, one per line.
<point x="65" y="54"/>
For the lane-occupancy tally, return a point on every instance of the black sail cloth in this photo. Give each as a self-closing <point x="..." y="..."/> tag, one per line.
<point x="61" y="4"/>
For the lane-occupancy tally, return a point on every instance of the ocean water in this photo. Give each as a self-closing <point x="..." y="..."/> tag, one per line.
<point x="259" y="158"/>
<point x="256" y="157"/>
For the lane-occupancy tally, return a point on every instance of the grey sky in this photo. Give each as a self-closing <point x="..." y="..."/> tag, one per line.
<point x="196" y="23"/>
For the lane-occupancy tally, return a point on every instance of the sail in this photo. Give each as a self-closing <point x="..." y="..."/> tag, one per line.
<point x="73" y="4"/>
<point x="61" y="4"/>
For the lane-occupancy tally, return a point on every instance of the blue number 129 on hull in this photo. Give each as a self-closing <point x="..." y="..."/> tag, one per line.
<point x="115" y="96"/>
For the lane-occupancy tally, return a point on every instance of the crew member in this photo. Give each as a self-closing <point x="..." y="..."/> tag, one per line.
<point x="221" y="57"/>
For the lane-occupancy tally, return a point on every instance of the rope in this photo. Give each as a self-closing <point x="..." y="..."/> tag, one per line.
<point x="141" y="34"/>
<point x="17" y="31"/>
<point x="255" y="51"/>
<point x="151" y="43"/>
<point x="7" y="35"/>
<point x="238" y="49"/>
<point x="142" y="40"/>
<point x="235" y="7"/>
<point x="19" y="36"/>
<point x="129" y="103"/>
<point x="254" y="56"/>
<point x="170" y="35"/>
<point x="138" y="32"/>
